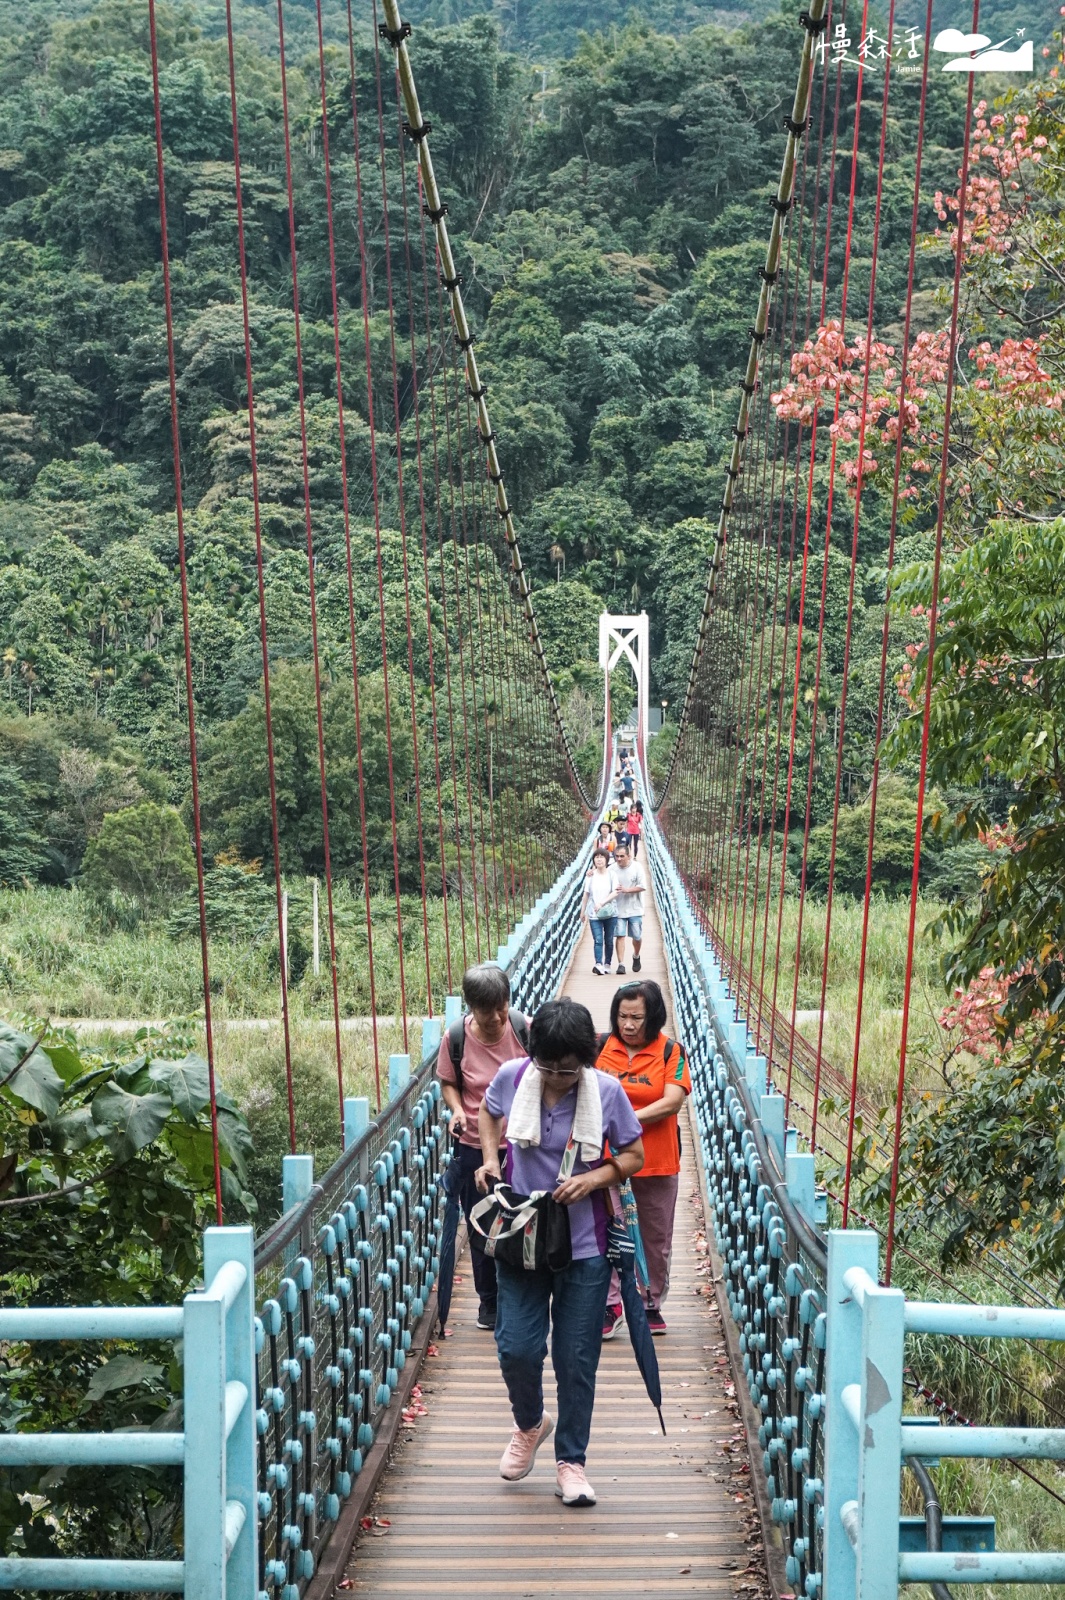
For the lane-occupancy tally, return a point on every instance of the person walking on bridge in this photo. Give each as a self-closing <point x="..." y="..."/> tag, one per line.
<point x="471" y="1053"/>
<point x="560" y="1114"/>
<point x="634" y="827"/>
<point x="653" y="1071"/>
<point x="601" y="907"/>
<point x="632" y="886"/>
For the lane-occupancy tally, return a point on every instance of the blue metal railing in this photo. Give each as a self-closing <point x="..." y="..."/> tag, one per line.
<point x="764" y="1212"/>
<point x="344" y="1278"/>
<point x="216" y="1447"/>
<point x="822" y="1344"/>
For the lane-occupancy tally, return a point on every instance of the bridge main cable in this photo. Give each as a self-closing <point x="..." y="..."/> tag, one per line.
<point x="813" y="21"/>
<point x="397" y="32"/>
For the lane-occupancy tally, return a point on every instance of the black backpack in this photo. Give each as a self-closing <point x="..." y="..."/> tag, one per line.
<point x="456" y="1041"/>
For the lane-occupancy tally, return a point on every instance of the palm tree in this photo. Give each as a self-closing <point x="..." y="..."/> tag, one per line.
<point x="28" y="669"/>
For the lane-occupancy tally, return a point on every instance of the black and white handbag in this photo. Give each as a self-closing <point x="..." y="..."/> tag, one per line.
<point x="530" y="1231"/>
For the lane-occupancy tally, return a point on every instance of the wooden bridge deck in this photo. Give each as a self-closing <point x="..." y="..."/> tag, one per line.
<point x="675" y="1515"/>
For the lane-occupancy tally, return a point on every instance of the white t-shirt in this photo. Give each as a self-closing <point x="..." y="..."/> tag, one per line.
<point x="630" y="877"/>
<point x="601" y="887"/>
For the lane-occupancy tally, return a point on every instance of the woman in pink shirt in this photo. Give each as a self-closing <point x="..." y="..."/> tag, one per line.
<point x="492" y="1033"/>
<point x="634" y="827"/>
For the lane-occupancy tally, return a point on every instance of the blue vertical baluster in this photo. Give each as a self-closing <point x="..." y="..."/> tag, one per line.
<point x="356" y="1119"/>
<point x="843" y="1366"/>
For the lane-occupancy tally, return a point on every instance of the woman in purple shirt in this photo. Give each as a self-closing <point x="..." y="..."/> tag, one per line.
<point x="562" y="1046"/>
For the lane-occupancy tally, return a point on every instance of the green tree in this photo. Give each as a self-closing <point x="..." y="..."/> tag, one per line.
<point x="142" y="852"/>
<point x="998" y="710"/>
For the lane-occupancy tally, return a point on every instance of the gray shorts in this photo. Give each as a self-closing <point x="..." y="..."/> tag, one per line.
<point x="633" y="926"/>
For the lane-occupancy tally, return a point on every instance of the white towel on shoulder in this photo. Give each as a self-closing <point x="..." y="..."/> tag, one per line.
<point x="523" y="1123"/>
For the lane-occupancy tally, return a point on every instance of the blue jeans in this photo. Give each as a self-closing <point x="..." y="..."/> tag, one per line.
<point x="603" y="937"/>
<point x="575" y="1302"/>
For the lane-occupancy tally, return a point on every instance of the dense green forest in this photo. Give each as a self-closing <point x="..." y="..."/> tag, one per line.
<point x="610" y="233"/>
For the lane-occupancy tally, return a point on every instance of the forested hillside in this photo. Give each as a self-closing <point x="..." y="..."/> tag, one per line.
<point x="610" y="236"/>
<point x="610" y="228"/>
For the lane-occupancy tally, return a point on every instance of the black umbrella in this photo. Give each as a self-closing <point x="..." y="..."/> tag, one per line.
<point x="621" y="1251"/>
<point x="445" y="1280"/>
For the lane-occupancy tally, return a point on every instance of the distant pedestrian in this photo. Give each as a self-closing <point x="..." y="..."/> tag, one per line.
<point x="561" y="1114"/>
<point x="606" y="839"/>
<point x="634" y="828"/>
<point x="653" y="1071"/>
<point x="471" y="1053"/>
<point x="632" y="887"/>
<point x="601" y="908"/>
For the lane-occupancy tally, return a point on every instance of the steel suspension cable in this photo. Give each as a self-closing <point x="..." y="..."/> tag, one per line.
<point x="348" y="563"/>
<point x="948" y="402"/>
<point x="802" y="614"/>
<point x="813" y="21"/>
<point x="886" y="626"/>
<point x="841" y="729"/>
<point x="175" y="437"/>
<point x="311" y="588"/>
<point x="260" y="580"/>
<point x="364" y="282"/>
<point x="402" y="508"/>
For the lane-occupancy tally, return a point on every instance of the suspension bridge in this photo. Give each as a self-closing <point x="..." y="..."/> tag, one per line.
<point x="800" y="1428"/>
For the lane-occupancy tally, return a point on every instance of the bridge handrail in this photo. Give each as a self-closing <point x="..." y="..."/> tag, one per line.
<point x="764" y="1212"/>
<point x="349" y="1270"/>
<point x="216" y="1446"/>
<point x="869" y="1436"/>
<point x="823" y="1344"/>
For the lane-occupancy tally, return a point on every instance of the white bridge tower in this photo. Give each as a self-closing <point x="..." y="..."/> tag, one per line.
<point x="628" y="637"/>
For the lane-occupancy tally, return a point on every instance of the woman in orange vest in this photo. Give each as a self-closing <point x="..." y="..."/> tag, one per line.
<point x="653" y="1071"/>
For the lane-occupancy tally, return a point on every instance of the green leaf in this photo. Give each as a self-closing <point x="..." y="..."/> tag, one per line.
<point x="128" y="1122"/>
<point x="194" y="1148"/>
<point x="73" y="1131"/>
<point x="66" y="1061"/>
<point x="121" y="1372"/>
<point x="187" y="1082"/>
<point x="235" y="1141"/>
<point x="35" y="1082"/>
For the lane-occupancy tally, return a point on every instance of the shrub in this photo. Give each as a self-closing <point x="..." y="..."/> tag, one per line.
<point x="142" y="853"/>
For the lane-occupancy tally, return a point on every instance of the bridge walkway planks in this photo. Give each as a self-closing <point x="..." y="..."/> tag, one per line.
<point x="675" y="1515"/>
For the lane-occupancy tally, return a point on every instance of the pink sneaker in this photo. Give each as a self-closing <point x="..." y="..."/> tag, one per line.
<point x="520" y="1453"/>
<point x="572" y="1486"/>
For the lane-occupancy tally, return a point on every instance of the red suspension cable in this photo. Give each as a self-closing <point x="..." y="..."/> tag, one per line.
<point x="175" y="434"/>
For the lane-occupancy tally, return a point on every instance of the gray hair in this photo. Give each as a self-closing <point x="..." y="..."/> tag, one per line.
<point x="485" y="987"/>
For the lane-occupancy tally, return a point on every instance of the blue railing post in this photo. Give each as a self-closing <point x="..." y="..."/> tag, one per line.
<point x="297" y="1180"/>
<point x="431" y="1036"/>
<point x="880" y="1438"/>
<point x="356" y="1118"/>
<point x="843" y="1366"/>
<point x="222" y="1245"/>
<point x="398" y="1074"/>
<point x="771" y="1111"/>
<point x="219" y="1514"/>
<point x="801" y="1178"/>
<point x="452" y="1009"/>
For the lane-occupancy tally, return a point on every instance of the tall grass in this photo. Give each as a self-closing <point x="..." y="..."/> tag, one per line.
<point x="57" y="958"/>
<point x="885" y="974"/>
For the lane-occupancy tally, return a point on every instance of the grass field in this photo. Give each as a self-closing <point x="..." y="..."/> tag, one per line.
<point x="58" y="959"/>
